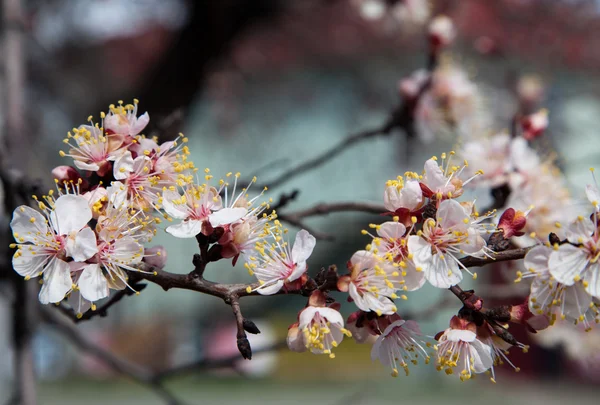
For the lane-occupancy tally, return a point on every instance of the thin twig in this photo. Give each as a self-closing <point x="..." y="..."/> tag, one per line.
<point x="119" y="365"/>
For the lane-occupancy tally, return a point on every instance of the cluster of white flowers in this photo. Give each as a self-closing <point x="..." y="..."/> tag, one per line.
<point x="90" y="232"/>
<point x="566" y="275"/>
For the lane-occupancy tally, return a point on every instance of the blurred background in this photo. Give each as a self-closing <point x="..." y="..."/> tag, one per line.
<point x="258" y="86"/>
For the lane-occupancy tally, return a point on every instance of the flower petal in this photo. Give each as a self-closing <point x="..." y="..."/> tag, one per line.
<point x="567" y="263"/>
<point x="123" y="166"/>
<point x="592" y="278"/>
<point x="391" y="229"/>
<point x="178" y="211"/>
<point x="57" y="282"/>
<point x="27" y="224"/>
<point x="84" y="246"/>
<point x="26" y="263"/>
<point x="593" y="195"/>
<point x="226" y="216"/>
<point x="442" y="272"/>
<point x="186" y="229"/>
<point x="451" y="214"/>
<point x="92" y="283"/>
<point x="303" y="246"/>
<point x="270" y="289"/>
<point x="71" y="213"/>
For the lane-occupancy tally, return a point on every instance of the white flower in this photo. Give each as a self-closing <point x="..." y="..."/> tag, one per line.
<point x="391" y="244"/>
<point x="400" y="196"/>
<point x="369" y="283"/>
<point x="91" y="149"/>
<point x="592" y="193"/>
<point x="435" y="249"/>
<point x="459" y="349"/>
<point x="551" y="298"/>
<point x="399" y="345"/>
<point x="569" y="264"/>
<point x="322" y="329"/>
<point x="44" y="243"/>
<point x="491" y="155"/>
<point x="123" y="119"/>
<point x="443" y="181"/>
<point x="277" y="264"/>
<point x="442" y="30"/>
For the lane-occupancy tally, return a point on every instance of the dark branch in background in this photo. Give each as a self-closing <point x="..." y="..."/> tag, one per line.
<point x="401" y="117"/>
<point x="119" y="365"/>
<point x="297" y="218"/>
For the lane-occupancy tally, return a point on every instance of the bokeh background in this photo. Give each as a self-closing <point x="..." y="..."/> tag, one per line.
<point x="258" y="86"/>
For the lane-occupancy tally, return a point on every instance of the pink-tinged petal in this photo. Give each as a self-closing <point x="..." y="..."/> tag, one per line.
<point x="92" y="167"/>
<point x="368" y="302"/>
<point x="593" y="195"/>
<point x="576" y="300"/>
<point x="71" y="213"/>
<point x="92" y="283"/>
<point x="306" y="316"/>
<point x="123" y="166"/>
<point x="332" y="316"/>
<point x="27" y="264"/>
<point x="226" y="216"/>
<point x="299" y="270"/>
<point x="83" y="246"/>
<point x="390" y="229"/>
<point x="391" y="198"/>
<point x="186" y="229"/>
<point x="127" y="251"/>
<point x="363" y="260"/>
<point x="411" y="196"/>
<point x="536" y="260"/>
<point x="592" y="278"/>
<point x="434" y="177"/>
<point x="442" y="273"/>
<point x="177" y="211"/>
<point x="414" y="279"/>
<point x="270" y="289"/>
<point x="421" y="251"/>
<point x="156" y="256"/>
<point x="57" y="282"/>
<point x="303" y="246"/>
<point x="27" y="224"/>
<point x="139" y="124"/>
<point x="295" y="340"/>
<point x="567" y="263"/>
<point x="79" y="304"/>
<point x="540" y="295"/>
<point x="474" y="242"/>
<point x="451" y="214"/>
<point x="482" y="356"/>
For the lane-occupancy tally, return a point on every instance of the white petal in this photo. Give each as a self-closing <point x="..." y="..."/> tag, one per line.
<point x="303" y="246"/>
<point x="177" y="211"/>
<point x="391" y="198"/>
<point x="299" y="270"/>
<point x="127" y="251"/>
<point x="71" y="213"/>
<point x="592" y="277"/>
<point x="457" y="335"/>
<point x="580" y="231"/>
<point x="57" y="282"/>
<point x="364" y="260"/>
<point x="332" y="315"/>
<point x="434" y="177"/>
<point x="22" y="226"/>
<point x="186" y="229"/>
<point x="411" y="196"/>
<point x="566" y="263"/>
<point x="593" y="195"/>
<point x="79" y="304"/>
<point x="295" y="340"/>
<point x="271" y="288"/>
<point x="442" y="273"/>
<point x="536" y="259"/>
<point x="117" y="194"/>
<point x="451" y="214"/>
<point x="92" y="167"/>
<point x="306" y="316"/>
<point x="93" y="284"/>
<point x="84" y="245"/>
<point x="576" y="301"/>
<point x="391" y="230"/>
<point x="420" y="249"/>
<point x="226" y="216"/>
<point x="482" y="356"/>
<point x="414" y="279"/>
<point x="123" y="166"/>
<point x="27" y="264"/>
<point x="139" y="124"/>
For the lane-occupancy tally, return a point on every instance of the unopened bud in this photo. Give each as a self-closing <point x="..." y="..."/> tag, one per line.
<point x="250" y="327"/>
<point x="69" y="174"/>
<point x="512" y="222"/>
<point x="441" y="32"/>
<point x="244" y="347"/>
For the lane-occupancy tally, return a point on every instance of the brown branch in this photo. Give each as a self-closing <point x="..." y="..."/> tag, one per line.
<point x="296" y="218"/>
<point x="119" y="365"/>
<point x="507" y="255"/>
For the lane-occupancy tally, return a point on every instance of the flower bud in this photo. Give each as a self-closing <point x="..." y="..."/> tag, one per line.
<point x="156" y="256"/>
<point x="535" y="124"/>
<point x="441" y="32"/>
<point x="512" y="222"/>
<point x="69" y="174"/>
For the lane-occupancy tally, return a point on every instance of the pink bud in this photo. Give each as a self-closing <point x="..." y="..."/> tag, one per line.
<point x="69" y="174"/>
<point x="535" y="124"/>
<point x="521" y="314"/>
<point x="441" y="32"/>
<point x="512" y="222"/>
<point x="156" y="256"/>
